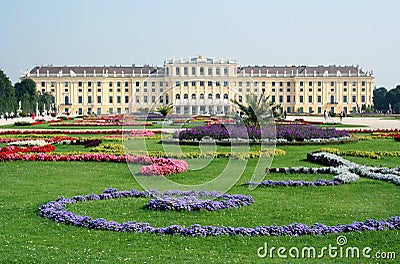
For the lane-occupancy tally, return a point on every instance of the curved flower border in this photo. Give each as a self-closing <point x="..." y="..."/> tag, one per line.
<point x="56" y="211"/>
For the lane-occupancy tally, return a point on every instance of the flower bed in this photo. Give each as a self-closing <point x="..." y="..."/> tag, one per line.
<point x="76" y="132"/>
<point x="154" y="166"/>
<point x="196" y="201"/>
<point x="284" y="133"/>
<point x="56" y="211"/>
<point x="14" y="149"/>
<point x="378" y="173"/>
<point x="97" y="124"/>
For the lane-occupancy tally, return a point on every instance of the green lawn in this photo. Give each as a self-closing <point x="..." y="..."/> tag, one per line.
<point x="28" y="238"/>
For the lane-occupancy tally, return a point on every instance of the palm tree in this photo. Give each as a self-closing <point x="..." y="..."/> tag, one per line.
<point x="165" y="110"/>
<point x="256" y="111"/>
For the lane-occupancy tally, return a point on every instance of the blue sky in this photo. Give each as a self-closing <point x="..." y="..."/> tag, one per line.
<point x="123" y="32"/>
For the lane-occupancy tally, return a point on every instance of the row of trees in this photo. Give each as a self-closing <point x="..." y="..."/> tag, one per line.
<point x="24" y="92"/>
<point x="383" y="99"/>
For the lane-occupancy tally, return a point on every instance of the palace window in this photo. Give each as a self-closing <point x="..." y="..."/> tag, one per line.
<point x="288" y="84"/>
<point x="177" y="71"/>
<point x="209" y="83"/>
<point x="225" y="96"/>
<point x="344" y="83"/>
<point x="225" y="83"/>
<point x="89" y="99"/>
<point x="301" y="83"/>
<point x="201" y="70"/>
<point x="185" y="71"/>
<point x="126" y="84"/>
<point x="177" y="96"/>
<point x="273" y="84"/>
<point x="193" y="96"/>
<point x="145" y="99"/>
<point x="193" y="83"/>
<point x="209" y="71"/>
<point x="79" y="84"/>
<point x="332" y="83"/>
<point x="137" y="99"/>
<point x="344" y="98"/>
<point x="218" y="71"/>
<point x="310" y="98"/>
<point x="110" y="99"/>
<point x="209" y="96"/>
<point x="110" y="84"/>
<point x="201" y="96"/>
<point x="126" y="99"/>
<point x="79" y="99"/>
<point x="193" y="70"/>
<point x="319" y="83"/>
<point x="217" y="96"/>
<point x="225" y="71"/>
<point x="118" y="84"/>
<point x="309" y="83"/>
<point x="281" y="84"/>
<point x="185" y="96"/>
<point x="98" y="83"/>
<point x="66" y="84"/>
<point x="99" y="99"/>
<point x="201" y="83"/>
<point x="118" y="99"/>
<point x="185" y="84"/>
<point x="301" y="99"/>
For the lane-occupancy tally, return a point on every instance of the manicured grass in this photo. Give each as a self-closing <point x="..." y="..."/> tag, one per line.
<point x="28" y="238"/>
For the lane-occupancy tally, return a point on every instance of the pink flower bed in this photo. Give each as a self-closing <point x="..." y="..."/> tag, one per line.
<point x="155" y="166"/>
<point x="164" y="166"/>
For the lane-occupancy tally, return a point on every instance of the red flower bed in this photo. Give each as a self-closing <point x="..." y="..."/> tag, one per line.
<point x="38" y="149"/>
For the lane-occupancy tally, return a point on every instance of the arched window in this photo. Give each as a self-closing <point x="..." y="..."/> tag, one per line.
<point x="209" y="96"/>
<point x="177" y="70"/>
<point x="218" y="71"/>
<point x="177" y="96"/>
<point x="194" y="96"/>
<point x="185" y="71"/>
<point x="225" y="71"/>
<point x="225" y="96"/>
<point x="209" y="71"/>
<point x="193" y="70"/>
<point x="167" y="71"/>
<point x="201" y="96"/>
<point x="201" y="70"/>
<point x="332" y="99"/>
<point x="185" y="96"/>
<point x="218" y="96"/>
<point x="166" y="99"/>
<point x="66" y="100"/>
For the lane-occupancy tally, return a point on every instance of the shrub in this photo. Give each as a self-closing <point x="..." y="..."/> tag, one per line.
<point x="22" y="123"/>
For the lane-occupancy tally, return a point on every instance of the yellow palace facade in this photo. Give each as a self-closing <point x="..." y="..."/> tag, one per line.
<point x="201" y="85"/>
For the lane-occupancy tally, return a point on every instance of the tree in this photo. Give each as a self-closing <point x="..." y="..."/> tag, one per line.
<point x="393" y="96"/>
<point x="44" y="101"/>
<point x="165" y="110"/>
<point x="256" y="111"/>
<point x="8" y="102"/>
<point x="380" y="99"/>
<point x="26" y="93"/>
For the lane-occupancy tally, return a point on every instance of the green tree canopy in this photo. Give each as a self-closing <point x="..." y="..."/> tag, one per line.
<point x="26" y="93"/>
<point x="165" y="110"/>
<point x="8" y="102"/>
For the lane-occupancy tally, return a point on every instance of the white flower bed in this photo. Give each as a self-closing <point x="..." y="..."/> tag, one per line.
<point x="38" y="142"/>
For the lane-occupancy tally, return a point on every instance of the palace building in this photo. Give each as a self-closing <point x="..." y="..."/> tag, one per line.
<point x="202" y="85"/>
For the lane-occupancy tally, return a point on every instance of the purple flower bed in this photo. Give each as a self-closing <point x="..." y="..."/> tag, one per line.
<point x="321" y="182"/>
<point x="200" y="201"/>
<point x="289" y="132"/>
<point x="56" y="211"/>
